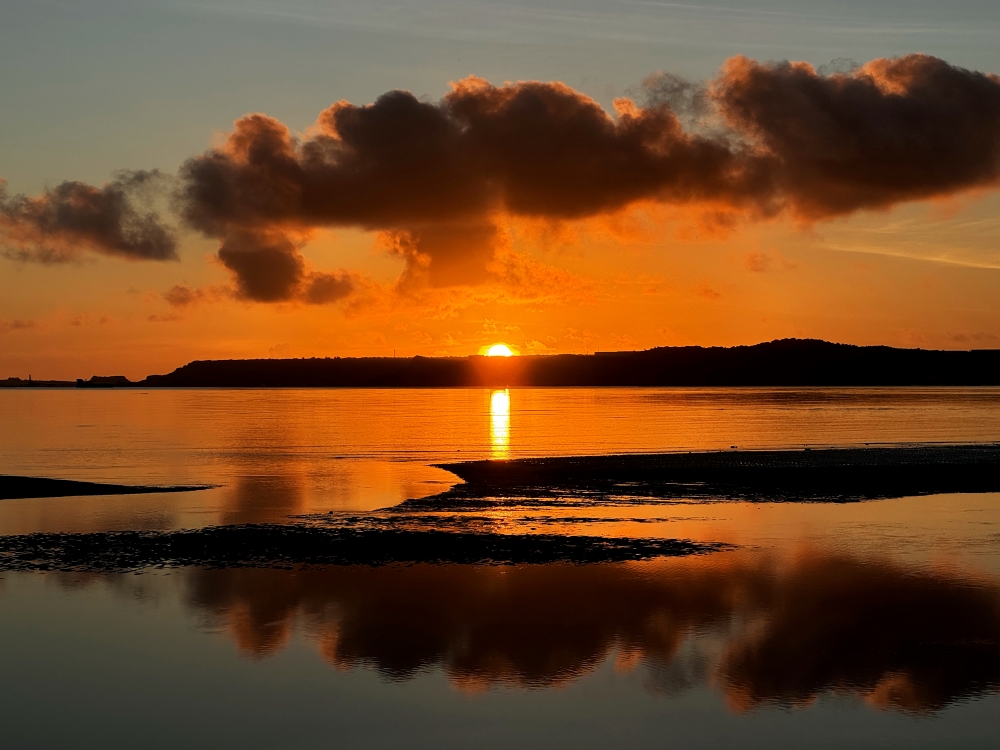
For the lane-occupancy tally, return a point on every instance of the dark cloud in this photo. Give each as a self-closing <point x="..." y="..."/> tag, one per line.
<point x="760" y="139"/>
<point x="534" y="149"/>
<point x="890" y="131"/>
<point x="268" y="267"/>
<point x="434" y="174"/>
<point x="61" y="222"/>
<point x="439" y="178"/>
<point x="555" y="153"/>
<point x="322" y="288"/>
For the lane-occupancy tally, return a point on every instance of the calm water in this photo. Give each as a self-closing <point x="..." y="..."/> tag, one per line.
<point x="862" y="625"/>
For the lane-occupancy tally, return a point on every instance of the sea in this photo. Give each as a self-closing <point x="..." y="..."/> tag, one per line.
<point x="870" y="624"/>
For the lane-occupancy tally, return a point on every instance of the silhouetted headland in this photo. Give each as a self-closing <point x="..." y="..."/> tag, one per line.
<point x="829" y="475"/>
<point x="30" y="383"/>
<point x="97" y="381"/>
<point x="788" y="362"/>
<point x="14" y="488"/>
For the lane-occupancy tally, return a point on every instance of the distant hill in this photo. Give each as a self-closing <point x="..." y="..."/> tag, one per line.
<point x="787" y="362"/>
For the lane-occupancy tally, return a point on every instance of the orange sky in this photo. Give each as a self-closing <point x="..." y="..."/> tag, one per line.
<point x="551" y="263"/>
<point x="912" y="277"/>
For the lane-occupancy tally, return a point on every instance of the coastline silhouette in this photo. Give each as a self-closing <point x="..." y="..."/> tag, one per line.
<point x="786" y="362"/>
<point x="783" y="362"/>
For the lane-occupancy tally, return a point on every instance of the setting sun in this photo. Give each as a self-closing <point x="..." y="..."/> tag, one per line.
<point x="499" y="350"/>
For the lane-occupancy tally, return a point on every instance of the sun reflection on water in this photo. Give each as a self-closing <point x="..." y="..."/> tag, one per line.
<point x="500" y="423"/>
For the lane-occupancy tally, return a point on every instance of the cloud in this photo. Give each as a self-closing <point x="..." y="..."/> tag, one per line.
<point x="63" y="221"/>
<point x="268" y="267"/>
<point x="979" y="337"/>
<point x="534" y="346"/>
<point x="890" y="131"/>
<point x="323" y="288"/>
<point x="435" y="177"/>
<point x="438" y="178"/>
<point x="16" y="324"/>
<point x="445" y="254"/>
<point x="528" y="279"/>
<point x="182" y="296"/>
<point x="89" y="319"/>
<point x="708" y="293"/>
<point x="757" y="261"/>
<point x="443" y="182"/>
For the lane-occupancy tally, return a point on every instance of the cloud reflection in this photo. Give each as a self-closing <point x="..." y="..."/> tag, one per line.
<point x="763" y="632"/>
<point x="263" y="499"/>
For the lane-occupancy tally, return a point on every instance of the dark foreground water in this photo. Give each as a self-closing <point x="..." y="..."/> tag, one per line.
<point x="866" y="624"/>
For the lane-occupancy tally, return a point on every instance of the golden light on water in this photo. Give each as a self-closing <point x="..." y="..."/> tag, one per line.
<point x="500" y="423"/>
<point x="499" y="350"/>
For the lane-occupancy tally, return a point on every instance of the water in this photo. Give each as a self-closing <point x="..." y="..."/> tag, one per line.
<point x="865" y="625"/>
<point x="276" y="453"/>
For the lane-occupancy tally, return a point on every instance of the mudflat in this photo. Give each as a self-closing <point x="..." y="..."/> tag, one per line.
<point x="810" y="475"/>
<point x="14" y="488"/>
<point x="274" y="545"/>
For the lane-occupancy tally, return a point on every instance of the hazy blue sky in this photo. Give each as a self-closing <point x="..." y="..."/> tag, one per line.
<point x="89" y="86"/>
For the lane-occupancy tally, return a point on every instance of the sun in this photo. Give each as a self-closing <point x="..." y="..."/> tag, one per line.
<point x="499" y="350"/>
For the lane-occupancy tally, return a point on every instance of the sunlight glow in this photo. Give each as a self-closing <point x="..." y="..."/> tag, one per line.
<point x="500" y="422"/>
<point x="499" y="350"/>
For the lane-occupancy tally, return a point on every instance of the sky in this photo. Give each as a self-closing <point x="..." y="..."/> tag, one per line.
<point x="253" y="178"/>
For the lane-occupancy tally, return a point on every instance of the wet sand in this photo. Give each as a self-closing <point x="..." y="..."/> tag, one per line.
<point x="271" y="545"/>
<point x="16" y="488"/>
<point x="399" y="535"/>
<point x="827" y="475"/>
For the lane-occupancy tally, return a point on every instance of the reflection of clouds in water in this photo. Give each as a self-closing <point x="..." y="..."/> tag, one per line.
<point x="689" y="667"/>
<point x="263" y="499"/>
<point x="500" y="423"/>
<point x="340" y="485"/>
<point x="763" y="632"/>
<point x="904" y="640"/>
